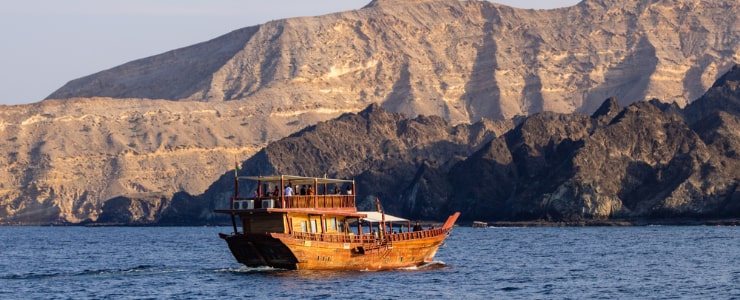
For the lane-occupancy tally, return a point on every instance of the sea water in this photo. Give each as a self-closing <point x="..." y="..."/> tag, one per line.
<point x="653" y="262"/>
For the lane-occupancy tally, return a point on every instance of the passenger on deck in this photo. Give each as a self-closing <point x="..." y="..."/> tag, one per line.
<point x="309" y="191"/>
<point x="349" y="190"/>
<point x="254" y="194"/>
<point x="303" y="190"/>
<point x="336" y="190"/>
<point x="288" y="191"/>
<point x="417" y="226"/>
<point x="276" y="192"/>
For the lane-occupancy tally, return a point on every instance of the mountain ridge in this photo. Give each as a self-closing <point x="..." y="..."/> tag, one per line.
<point x="460" y="60"/>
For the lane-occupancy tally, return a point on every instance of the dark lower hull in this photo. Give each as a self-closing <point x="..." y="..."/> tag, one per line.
<point x="260" y="251"/>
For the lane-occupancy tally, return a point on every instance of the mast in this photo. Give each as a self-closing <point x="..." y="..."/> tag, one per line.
<point x="236" y="195"/>
<point x="381" y="226"/>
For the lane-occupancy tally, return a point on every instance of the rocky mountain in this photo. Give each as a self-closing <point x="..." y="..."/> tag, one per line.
<point x="462" y="60"/>
<point x="643" y="161"/>
<point x="640" y="162"/>
<point x="387" y="154"/>
<point x="64" y="159"/>
<point x="139" y="142"/>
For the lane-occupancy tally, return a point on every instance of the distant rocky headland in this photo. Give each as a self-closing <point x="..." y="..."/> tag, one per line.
<point x="645" y="163"/>
<point x="431" y="105"/>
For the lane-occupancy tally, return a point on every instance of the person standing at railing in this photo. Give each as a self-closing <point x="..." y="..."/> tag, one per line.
<point x="417" y="226"/>
<point x="288" y="191"/>
<point x="276" y="192"/>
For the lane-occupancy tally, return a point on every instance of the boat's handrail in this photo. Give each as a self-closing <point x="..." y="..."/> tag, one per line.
<point x="336" y="238"/>
<point x="413" y="235"/>
<point x="301" y="201"/>
<point x="369" y="237"/>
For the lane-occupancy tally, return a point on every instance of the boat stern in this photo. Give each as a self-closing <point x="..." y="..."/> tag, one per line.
<point x="255" y="250"/>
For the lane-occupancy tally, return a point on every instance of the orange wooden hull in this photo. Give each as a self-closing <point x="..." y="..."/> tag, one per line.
<point x="338" y="252"/>
<point x="289" y="252"/>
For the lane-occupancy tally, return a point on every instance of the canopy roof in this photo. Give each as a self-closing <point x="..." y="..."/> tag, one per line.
<point x="295" y="179"/>
<point x="375" y="217"/>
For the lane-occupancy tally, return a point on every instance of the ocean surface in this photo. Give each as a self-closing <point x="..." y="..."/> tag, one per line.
<point x="653" y="262"/>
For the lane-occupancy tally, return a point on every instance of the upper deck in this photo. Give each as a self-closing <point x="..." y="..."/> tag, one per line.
<point x="304" y="193"/>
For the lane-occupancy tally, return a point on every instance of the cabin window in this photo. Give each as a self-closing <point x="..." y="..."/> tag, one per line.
<point x="331" y="224"/>
<point x="304" y="226"/>
<point x="313" y="226"/>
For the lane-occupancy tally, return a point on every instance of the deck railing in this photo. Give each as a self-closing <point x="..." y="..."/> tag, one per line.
<point x="336" y="238"/>
<point x="367" y="238"/>
<point x="303" y="201"/>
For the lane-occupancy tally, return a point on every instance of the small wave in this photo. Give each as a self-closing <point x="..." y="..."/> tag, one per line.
<point x="30" y="276"/>
<point x="432" y="265"/>
<point x="245" y="269"/>
<point x="98" y="272"/>
<point x="139" y="268"/>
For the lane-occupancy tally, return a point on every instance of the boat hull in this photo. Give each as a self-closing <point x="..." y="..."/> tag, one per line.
<point x="260" y="250"/>
<point x="290" y="252"/>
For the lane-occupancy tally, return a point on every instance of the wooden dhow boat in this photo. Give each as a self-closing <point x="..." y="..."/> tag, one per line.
<point x="321" y="229"/>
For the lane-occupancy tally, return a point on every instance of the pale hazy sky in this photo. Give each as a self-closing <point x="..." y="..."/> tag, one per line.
<point x="46" y="43"/>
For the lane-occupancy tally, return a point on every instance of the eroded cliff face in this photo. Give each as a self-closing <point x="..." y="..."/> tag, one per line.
<point x="462" y="60"/>
<point x="65" y="158"/>
<point x="648" y="160"/>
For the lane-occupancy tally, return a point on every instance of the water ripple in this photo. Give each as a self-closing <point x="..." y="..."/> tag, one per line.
<point x="512" y="263"/>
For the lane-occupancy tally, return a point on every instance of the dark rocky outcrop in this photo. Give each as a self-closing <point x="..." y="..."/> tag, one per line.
<point x="399" y="160"/>
<point x="643" y="161"/>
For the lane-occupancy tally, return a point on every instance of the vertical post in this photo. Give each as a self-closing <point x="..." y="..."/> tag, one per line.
<point x="326" y="192"/>
<point x="233" y="222"/>
<point x="281" y="191"/>
<point x="289" y="220"/>
<point x="359" y="228"/>
<point x="354" y="195"/>
<point x="236" y="186"/>
<point x="259" y="188"/>
<point x="382" y="228"/>
<point x="316" y="192"/>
